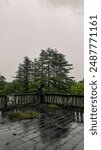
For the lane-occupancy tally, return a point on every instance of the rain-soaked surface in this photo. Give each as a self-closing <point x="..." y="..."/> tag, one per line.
<point x="54" y="129"/>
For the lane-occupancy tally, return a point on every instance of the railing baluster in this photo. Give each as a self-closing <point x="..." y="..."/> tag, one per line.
<point x="23" y="99"/>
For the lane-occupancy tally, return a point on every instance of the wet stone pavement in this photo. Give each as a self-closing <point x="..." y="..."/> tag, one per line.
<point x="54" y="129"/>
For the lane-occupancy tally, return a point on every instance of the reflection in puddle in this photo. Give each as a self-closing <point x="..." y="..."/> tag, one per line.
<point x="53" y="126"/>
<point x="0" y="116"/>
<point x="57" y="124"/>
<point x="79" y="116"/>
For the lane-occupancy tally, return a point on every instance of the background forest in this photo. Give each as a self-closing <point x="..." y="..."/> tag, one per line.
<point x="51" y="68"/>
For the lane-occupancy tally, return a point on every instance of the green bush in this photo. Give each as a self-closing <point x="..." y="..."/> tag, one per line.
<point x="22" y="115"/>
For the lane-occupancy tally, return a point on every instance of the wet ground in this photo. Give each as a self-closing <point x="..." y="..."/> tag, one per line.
<point x="54" y="129"/>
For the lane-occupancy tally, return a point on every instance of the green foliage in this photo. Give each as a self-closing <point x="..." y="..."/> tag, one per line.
<point x="77" y="88"/>
<point x="22" y="115"/>
<point x="23" y="75"/>
<point x="11" y="88"/>
<point x="2" y="82"/>
<point x="51" y="68"/>
<point x="53" y="106"/>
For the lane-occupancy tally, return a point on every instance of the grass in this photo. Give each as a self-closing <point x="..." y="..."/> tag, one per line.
<point x="53" y="106"/>
<point x="22" y="115"/>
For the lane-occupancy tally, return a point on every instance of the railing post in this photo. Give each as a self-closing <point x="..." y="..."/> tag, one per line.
<point x="23" y="99"/>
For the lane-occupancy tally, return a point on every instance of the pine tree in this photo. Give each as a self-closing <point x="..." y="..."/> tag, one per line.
<point x="2" y="81"/>
<point x="35" y="73"/>
<point x="23" y="75"/>
<point x="52" y="69"/>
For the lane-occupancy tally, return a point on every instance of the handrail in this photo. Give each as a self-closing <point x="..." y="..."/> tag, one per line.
<point x="30" y="98"/>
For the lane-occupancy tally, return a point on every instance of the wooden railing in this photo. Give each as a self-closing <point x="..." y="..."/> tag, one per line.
<point x="7" y="101"/>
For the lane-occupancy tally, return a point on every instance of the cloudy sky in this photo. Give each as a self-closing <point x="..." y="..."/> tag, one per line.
<point x="27" y="26"/>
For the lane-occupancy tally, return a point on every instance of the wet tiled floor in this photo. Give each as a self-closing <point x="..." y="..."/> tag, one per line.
<point x="52" y="130"/>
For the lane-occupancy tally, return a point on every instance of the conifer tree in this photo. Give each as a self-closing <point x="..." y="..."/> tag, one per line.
<point x="53" y="69"/>
<point x="2" y="81"/>
<point x="23" y="75"/>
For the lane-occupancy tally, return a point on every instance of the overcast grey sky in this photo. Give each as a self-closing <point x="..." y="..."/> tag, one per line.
<point x="27" y="26"/>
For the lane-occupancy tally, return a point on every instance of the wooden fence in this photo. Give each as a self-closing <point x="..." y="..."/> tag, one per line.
<point x="16" y="100"/>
